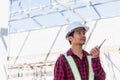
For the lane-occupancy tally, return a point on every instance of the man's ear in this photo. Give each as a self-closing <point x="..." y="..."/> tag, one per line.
<point x="69" y="38"/>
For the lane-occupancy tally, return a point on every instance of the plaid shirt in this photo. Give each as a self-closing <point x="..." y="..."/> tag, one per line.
<point x="62" y="69"/>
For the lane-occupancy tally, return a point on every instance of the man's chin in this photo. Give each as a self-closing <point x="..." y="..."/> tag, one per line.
<point x="82" y="43"/>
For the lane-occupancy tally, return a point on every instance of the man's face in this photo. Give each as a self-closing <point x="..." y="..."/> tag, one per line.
<point x="78" y="36"/>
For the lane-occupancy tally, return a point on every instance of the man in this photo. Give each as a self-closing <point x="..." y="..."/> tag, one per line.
<point x="76" y="63"/>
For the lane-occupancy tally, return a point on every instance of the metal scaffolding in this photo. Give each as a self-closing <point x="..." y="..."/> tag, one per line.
<point x="28" y="16"/>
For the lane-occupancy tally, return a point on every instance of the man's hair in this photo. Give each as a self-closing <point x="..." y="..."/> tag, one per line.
<point x="71" y="34"/>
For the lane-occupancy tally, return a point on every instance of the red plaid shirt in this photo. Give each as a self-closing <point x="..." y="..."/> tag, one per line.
<point x="62" y="69"/>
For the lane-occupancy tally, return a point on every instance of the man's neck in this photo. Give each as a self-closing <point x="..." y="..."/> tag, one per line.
<point x="77" y="50"/>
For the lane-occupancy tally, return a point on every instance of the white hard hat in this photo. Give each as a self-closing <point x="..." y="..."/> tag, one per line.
<point x="73" y="26"/>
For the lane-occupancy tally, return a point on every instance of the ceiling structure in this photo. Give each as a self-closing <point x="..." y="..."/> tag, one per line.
<point x="30" y="19"/>
<point x="39" y="14"/>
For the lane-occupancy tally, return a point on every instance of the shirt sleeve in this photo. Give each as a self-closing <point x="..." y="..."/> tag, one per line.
<point x="59" y="70"/>
<point x="98" y="70"/>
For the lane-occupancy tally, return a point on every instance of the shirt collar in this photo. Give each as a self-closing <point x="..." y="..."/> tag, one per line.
<point x="70" y="53"/>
